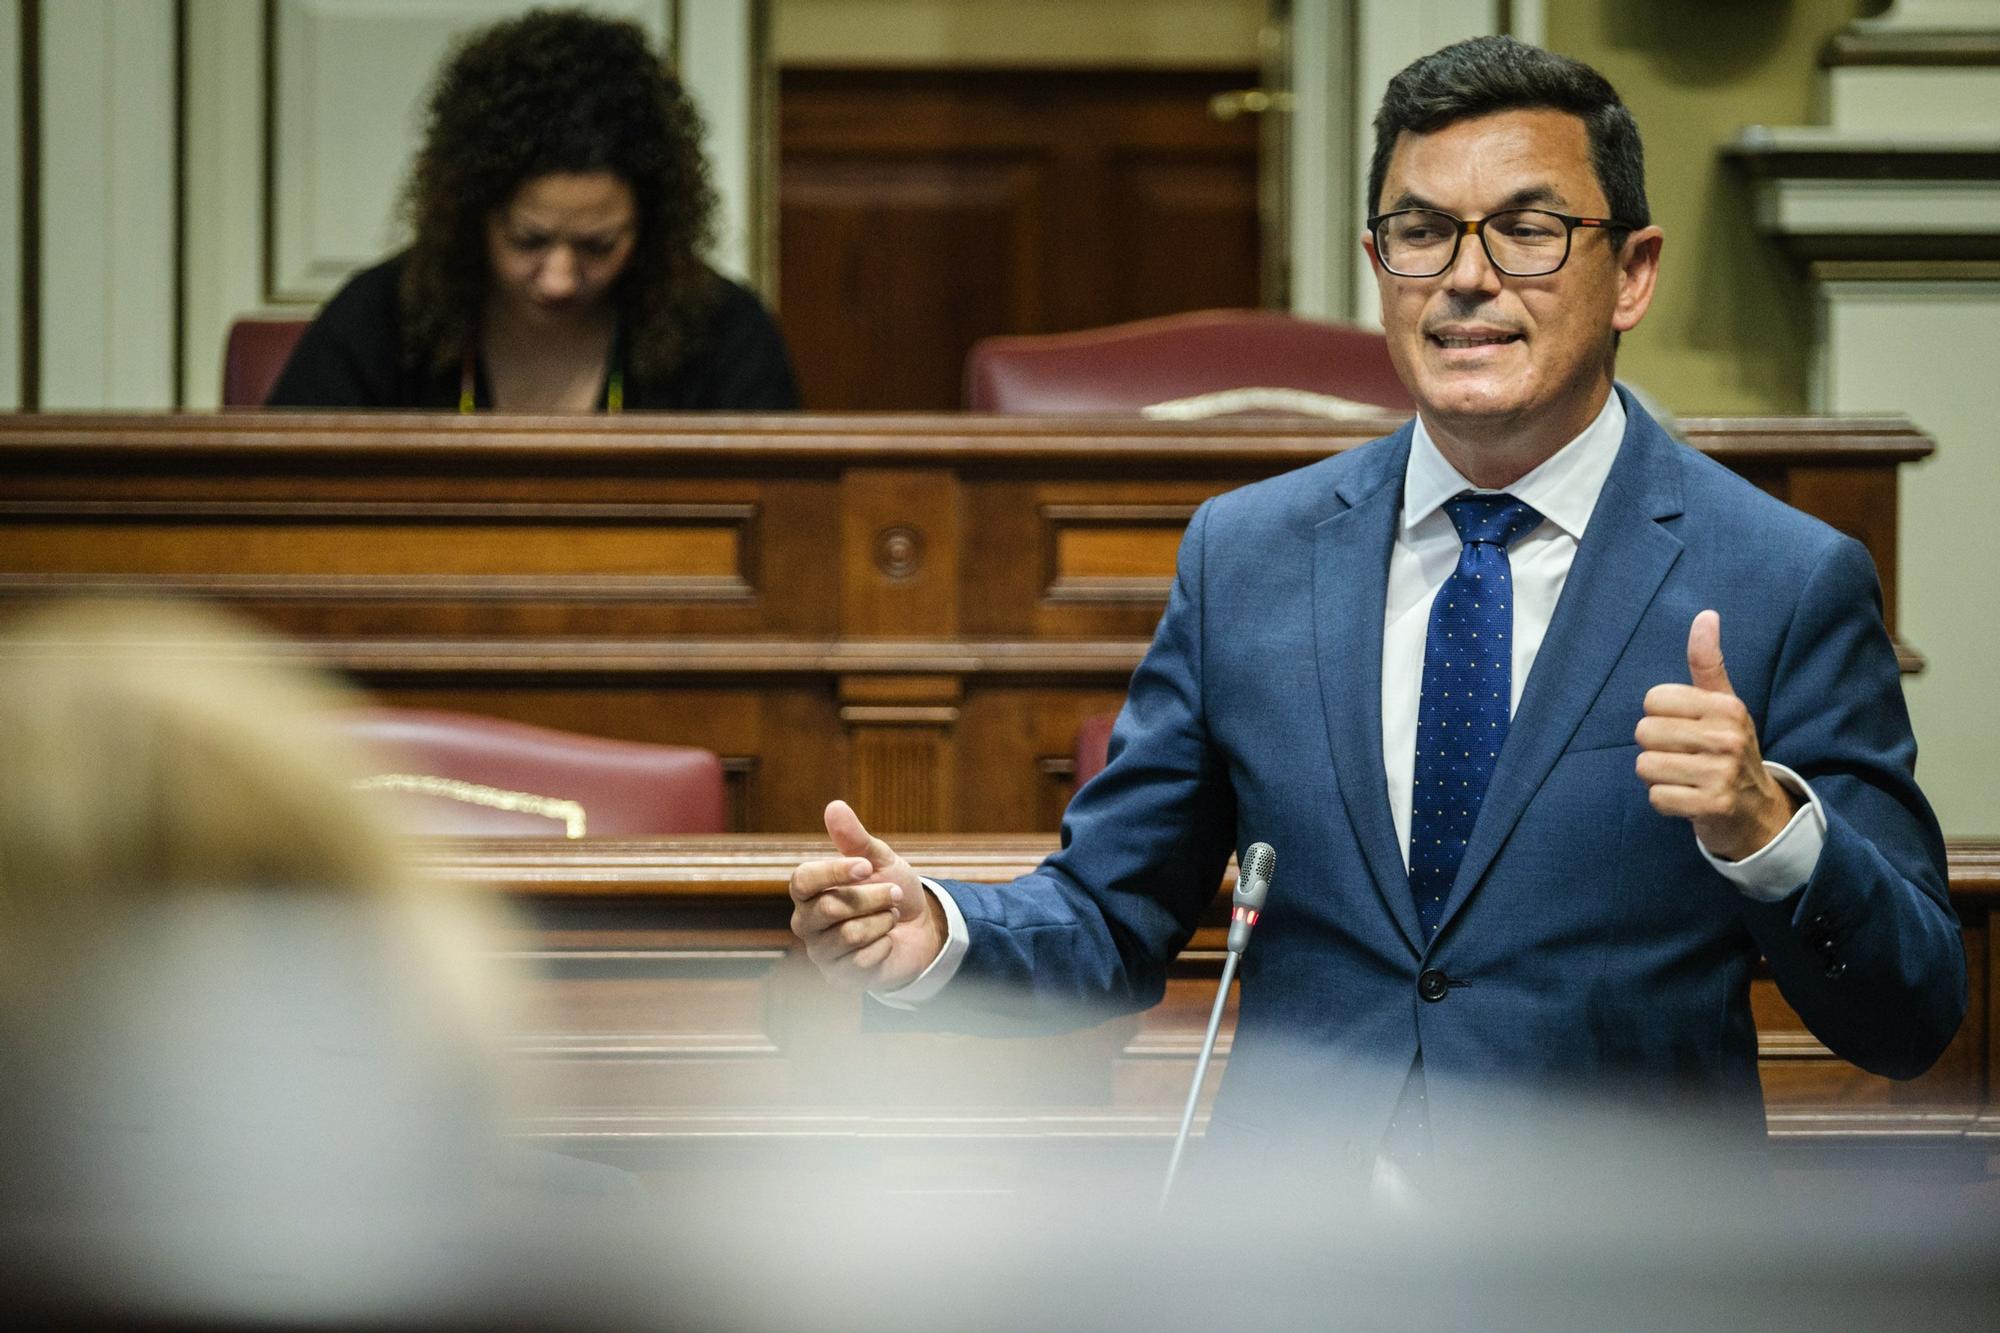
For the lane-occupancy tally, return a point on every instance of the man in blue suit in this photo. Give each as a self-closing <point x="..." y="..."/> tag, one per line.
<point x="1528" y="839"/>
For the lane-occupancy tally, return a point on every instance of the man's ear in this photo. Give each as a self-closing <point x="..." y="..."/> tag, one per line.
<point x="1382" y="276"/>
<point x="1638" y="268"/>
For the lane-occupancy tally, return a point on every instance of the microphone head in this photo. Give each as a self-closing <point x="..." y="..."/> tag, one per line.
<point x="1253" y="882"/>
<point x="1253" y="876"/>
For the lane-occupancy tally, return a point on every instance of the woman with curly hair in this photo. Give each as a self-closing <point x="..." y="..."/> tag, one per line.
<point x="560" y="205"/>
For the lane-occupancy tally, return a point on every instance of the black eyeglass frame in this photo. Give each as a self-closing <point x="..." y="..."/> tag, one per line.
<point x="1477" y="227"/>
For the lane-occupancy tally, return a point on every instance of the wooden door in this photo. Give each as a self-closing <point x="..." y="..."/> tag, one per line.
<point x="922" y="209"/>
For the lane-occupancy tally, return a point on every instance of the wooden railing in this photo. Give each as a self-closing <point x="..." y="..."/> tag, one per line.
<point x="679" y="1015"/>
<point x="911" y="611"/>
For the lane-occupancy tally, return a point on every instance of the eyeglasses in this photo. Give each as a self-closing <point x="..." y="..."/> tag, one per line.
<point x="1520" y="242"/>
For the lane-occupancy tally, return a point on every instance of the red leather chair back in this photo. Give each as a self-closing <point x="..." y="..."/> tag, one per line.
<point x="459" y="774"/>
<point x="1093" y="746"/>
<point x="254" y="357"/>
<point x="1124" y="368"/>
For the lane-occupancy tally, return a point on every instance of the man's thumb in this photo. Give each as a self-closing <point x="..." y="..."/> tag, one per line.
<point x="1705" y="667"/>
<point x="851" y="838"/>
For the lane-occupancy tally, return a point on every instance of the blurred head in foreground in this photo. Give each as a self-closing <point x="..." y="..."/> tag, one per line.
<point x="253" y="1061"/>
<point x="160" y="749"/>
<point x="157" y="748"/>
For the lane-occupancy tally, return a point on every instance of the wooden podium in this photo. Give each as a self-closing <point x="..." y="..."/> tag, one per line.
<point x="683" y="1027"/>
<point x="913" y="611"/>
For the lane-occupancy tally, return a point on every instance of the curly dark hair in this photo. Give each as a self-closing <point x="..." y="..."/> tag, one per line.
<point x="558" y="91"/>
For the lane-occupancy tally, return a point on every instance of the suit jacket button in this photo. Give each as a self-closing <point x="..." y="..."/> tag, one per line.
<point x="1835" y="971"/>
<point x="1432" y="984"/>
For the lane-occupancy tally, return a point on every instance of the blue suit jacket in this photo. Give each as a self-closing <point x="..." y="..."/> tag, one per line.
<point x="1588" y="943"/>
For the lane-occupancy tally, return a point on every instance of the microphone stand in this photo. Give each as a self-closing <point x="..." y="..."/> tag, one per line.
<point x="1200" y="1071"/>
<point x="1252" y="886"/>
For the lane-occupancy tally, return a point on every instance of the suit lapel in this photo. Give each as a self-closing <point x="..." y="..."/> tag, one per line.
<point x="1624" y="557"/>
<point x="1350" y="586"/>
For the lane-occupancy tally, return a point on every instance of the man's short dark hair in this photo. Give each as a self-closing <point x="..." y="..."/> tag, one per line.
<point x="1488" y="74"/>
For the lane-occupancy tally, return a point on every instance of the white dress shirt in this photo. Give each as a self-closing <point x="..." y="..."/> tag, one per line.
<point x="1564" y="490"/>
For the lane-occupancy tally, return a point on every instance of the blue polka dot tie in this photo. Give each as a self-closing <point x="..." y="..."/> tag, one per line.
<point x="1462" y="712"/>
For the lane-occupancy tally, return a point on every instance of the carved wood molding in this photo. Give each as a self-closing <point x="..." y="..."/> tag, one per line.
<point x="1923" y="49"/>
<point x="754" y="1128"/>
<point x="1112" y="659"/>
<point x="709" y="865"/>
<point x="385" y="511"/>
<point x="667" y="589"/>
<point x="644" y="908"/>
<point x="899" y="715"/>
<point x="721" y="536"/>
<point x="1067" y="575"/>
<point x="638" y="441"/>
<point x="1820" y="154"/>
<point x="731" y="865"/>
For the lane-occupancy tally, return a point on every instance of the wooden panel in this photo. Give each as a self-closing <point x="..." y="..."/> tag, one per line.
<point x="1859" y="503"/>
<point x="900" y="745"/>
<point x="921" y="210"/>
<point x="913" y="611"/>
<point x="868" y="251"/>
<point x="897" y="776"/>
<point x="350" y="548"/>
<point x="1015" y="746"/>
<point x="1100" y="553"/>
<point x="603" y="551"/>
<point x="899" y="552"/>
<point x="659" y="1003"/>
<point x="1021" y="522"/>
<point x="1167" y="207"/>
<point x="680" y="1012"/>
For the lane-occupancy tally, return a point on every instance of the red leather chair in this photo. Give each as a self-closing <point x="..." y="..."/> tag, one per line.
<point x="1235" y="360"/>
<point x="463" y="775"/>
<point x="255" y="356"/>
<point x="1093" y="746"/>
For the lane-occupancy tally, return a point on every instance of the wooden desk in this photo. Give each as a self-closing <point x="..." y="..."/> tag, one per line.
<point x="680" y="1018"/>
<point x="912" y="612"/>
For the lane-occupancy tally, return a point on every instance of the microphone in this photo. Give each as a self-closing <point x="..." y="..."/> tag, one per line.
<point x="1253" y="885"/>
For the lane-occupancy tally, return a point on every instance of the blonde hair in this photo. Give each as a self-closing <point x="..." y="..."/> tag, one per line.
<point x="152" y="750"/>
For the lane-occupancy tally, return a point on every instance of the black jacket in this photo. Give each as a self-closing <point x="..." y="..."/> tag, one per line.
<point x="352" y="356"/>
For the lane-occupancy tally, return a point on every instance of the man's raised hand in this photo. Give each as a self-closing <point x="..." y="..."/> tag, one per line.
<point x="865" y="919"/>
<point x="1698" y="754"/>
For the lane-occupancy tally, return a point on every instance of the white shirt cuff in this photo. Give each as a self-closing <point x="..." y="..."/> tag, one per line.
<point x="1777" y="869"/>
<point x="943" y="967"/>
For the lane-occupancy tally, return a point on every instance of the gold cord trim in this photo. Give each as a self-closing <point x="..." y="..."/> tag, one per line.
<point x="570" y="813"/>
<point x="1304" y="402"/>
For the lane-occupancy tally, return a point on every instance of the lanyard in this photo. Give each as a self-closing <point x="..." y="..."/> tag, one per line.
<point x="468" y="379"/>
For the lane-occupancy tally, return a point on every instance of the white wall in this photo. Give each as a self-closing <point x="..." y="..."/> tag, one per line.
<point x="1389" y="34"/>
<point x="10" y="208"/>
<point x="723" y="56"/>
<point x="1321" y="226"/>
<point x="1343" y="55"/>
<point x="107" y="214"/>
<point x="222" y="198"/>
<point x="1925" y="350"/>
